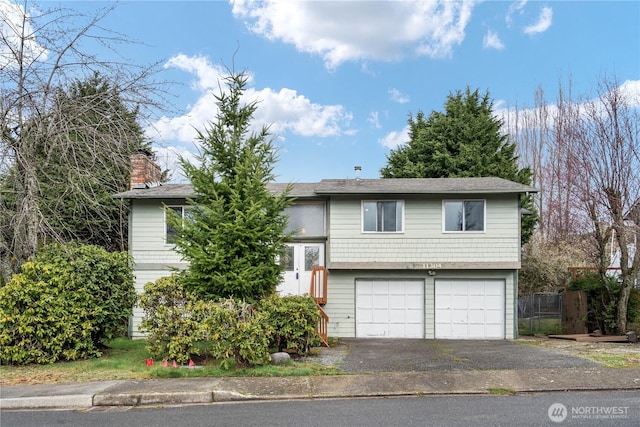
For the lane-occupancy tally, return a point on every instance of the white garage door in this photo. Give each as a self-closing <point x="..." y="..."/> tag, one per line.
<point x="470" y="309"/>
<point x="390" y="308"/>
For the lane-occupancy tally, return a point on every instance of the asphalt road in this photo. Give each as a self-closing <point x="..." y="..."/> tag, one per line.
<point x="571" y="409"/>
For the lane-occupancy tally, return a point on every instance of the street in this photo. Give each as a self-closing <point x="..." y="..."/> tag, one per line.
<point x="574" y="408"/>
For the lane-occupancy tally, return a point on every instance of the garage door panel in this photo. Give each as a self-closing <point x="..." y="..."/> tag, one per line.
<point x="397" y="302"/>
<point x="380" y="316"/>
<point x="414" y="316"/>
<point x="459" y="302"/>
<point x="477" y="316"/>
<point x="388" y="308"/>
<point x="469" y="309"/>
<point x="494" y="317"/>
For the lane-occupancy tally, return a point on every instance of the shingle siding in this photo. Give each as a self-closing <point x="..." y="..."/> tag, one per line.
<point x="422" y="238"/>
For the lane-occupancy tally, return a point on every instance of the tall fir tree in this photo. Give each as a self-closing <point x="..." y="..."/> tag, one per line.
<point x="464" y="141"/>
<point x="234" y="227"/>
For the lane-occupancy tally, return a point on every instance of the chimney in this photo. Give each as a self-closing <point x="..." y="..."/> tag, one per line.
<point x="144" y="172"/>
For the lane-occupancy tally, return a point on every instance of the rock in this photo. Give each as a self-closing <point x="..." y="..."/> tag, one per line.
<point x="632" y="337"/>
<point x="280" y="357"/>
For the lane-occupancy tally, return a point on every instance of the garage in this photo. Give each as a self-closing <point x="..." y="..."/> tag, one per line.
<point x="390" y="308"/>
<point x="470" y="309"/>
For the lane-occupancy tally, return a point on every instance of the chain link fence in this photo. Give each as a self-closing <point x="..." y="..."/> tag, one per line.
<point x="540" y="313"/>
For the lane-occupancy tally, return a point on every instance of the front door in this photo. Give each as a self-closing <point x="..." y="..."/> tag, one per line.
<point x="298" y="262"/>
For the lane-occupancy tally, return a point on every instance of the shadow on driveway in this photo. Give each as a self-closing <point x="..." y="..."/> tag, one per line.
<point x="407" y="355"/>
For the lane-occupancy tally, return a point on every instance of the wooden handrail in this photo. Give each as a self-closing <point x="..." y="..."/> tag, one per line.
<point x="318" y="288"/>
<point x="322" y="327"/>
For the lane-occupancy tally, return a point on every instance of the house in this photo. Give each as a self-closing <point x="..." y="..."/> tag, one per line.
<point x="632" y="224"/>
<point x="406" y="258"/>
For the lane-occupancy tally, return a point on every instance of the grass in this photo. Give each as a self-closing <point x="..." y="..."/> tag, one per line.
<point x="125" y="359"/>
<point x="502" y="391"/>
<point x="611" y="355"/>
<point x="617" y="360"/>
<point x="541" y="325"/>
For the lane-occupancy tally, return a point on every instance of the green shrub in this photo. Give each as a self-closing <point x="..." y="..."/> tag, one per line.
<point x="66" y="302"/>
<point x="602" y="302"/>
<point x="172" y="327"/>
<point x="237" y="333"/>
<point x="293" y="321"/>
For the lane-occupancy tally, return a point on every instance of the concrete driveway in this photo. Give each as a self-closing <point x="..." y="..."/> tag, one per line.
<point x="406" y="355"/>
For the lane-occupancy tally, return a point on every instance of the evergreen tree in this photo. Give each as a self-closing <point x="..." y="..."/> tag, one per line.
<point x="77" y="202"/>
<point x="234" y="228"/>
<point x="79" y="164"/>
<point x="464" y="141"/>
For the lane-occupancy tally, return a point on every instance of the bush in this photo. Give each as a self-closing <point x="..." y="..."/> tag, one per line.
<point x="602" y="302"/>
<point x="293" y="321"/>
<point x="170" y="321"/>
<point x="238" y="334"/>
<point x="66" y="302"/>
<point x="180" y="326"/>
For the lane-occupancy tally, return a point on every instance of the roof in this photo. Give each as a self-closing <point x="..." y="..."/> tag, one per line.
<point x="328" y="187"/>
<point x="422" y="186"/>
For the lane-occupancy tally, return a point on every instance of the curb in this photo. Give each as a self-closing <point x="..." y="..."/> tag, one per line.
<point x="141" y="393"/>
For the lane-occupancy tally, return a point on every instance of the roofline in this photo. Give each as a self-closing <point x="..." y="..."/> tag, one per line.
<point x="326" y="188"/>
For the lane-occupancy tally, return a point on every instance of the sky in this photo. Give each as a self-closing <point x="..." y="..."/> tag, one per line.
<point x="337" y="80"/>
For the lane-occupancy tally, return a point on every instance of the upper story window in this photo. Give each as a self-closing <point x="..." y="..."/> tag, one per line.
<point x="306" y="219"/>
<point x="464" y="215"/>
<point x="171" y="233"/>
<point x="382" y="216"/>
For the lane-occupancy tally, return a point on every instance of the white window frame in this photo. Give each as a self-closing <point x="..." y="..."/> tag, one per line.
<point x="398" y="203"/>
<point x="183" y="209"/>
<point x="484" y="216"/>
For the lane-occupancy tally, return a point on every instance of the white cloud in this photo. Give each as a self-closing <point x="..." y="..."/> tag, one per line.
<point x="631" y="90"/>
<point x="543" y="23"/>
<point x="492" y="41"/>
<point x="395" y="139"/>
<point x="341" y="31"/>
<point x="397" y="96"/>
<point x="12" y="19"/>
<point x="527" y="118"/>
<point x="208" y="76"/>
<point x="515" y="7"/>
<point x="285" y="110"/>
<point x="374" y="119"/>
<point x="168" y="159"/>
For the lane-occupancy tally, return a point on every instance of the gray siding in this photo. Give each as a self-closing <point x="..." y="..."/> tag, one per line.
<point x="341" y="307"/>
<point x="153" y="258"/>
<point x="422" y="239"/>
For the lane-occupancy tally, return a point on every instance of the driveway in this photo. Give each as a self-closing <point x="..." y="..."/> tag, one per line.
<point x="406" y="355"/>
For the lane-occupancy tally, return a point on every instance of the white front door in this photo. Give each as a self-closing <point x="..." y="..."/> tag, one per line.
<point x="298" y="262"/>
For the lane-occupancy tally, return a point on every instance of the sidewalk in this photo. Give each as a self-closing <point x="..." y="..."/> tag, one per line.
<point x="210" y="390"/>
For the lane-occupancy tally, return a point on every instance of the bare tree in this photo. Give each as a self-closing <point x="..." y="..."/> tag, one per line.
<point x="43" y="55"/>
<point x="607" y="163"/>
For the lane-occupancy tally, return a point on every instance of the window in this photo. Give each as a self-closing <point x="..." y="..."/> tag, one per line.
<point x="464" y="215"/>
<point x="306" y="219"/>
<point x="171" y="233"/>
<point x="382" y="216"/>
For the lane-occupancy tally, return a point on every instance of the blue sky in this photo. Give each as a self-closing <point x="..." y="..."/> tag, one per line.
<point x="337" y="80"/>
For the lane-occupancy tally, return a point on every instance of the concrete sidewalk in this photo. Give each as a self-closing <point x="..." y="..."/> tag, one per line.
<point x="210" y="390"/>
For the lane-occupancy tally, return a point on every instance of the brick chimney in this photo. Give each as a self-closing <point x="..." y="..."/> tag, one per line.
<point x="144" y="172"/>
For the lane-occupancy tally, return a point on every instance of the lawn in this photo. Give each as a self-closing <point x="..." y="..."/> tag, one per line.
<point x="125" y="359"/>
